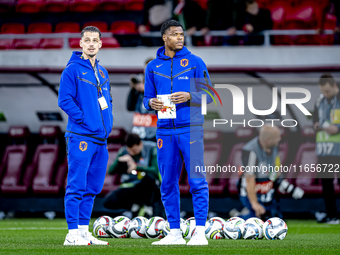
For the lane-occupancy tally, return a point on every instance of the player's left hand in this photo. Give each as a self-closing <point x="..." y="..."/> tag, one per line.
<point x="180" y="97"/>
<point x="332" y="129"/>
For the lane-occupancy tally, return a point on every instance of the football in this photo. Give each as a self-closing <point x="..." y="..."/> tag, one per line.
<point x="253" y="228"/>
<point x="137" y="227"/>
<point x="188" y="227"/>
<point x="233" y="228"/>
<point x="214" y="229"/>
<point x="100" y="226"/>
<point x="219" y="219"/>
<point x="119" y="227"/>
<point x="167" y="227"/>
<point x="155" y="228"/>
<point x="275" y="229"/>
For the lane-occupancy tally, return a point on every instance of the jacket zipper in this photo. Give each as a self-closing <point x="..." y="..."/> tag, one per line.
<point x="101" y="111"/>
<point x="172" y="60"/>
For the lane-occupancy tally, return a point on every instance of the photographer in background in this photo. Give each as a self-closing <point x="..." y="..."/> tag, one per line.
<point x="144" y="121"/>
<point x="137" y="164"/>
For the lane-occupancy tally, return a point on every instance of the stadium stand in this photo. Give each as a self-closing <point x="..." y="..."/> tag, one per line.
<point x="29" y="6"/>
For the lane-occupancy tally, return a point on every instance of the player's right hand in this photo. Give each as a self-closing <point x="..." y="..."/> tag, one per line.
<point x="259" y="209"/>
<point x="155" y="104"/>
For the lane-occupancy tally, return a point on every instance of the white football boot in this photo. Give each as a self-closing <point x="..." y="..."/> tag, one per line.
<point x="198" y="237"/>
<point x="75" y="240"/>
<point x="91" y="239"/>
<point x="173" y="238"/>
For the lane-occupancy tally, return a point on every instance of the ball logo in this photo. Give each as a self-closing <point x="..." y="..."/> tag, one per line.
<point x="184" y="62"/>
<point x="102" y="73"/>
<point x="83" y="146"/>
<point x="159" y="143"/>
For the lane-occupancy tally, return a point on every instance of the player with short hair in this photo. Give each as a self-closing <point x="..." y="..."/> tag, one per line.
<point x="176" y="73"/>
<point x="256" y="185"/>
<point x="84" y="95"/>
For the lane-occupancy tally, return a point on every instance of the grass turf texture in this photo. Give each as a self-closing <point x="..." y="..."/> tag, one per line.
<point x="42" y="236"/>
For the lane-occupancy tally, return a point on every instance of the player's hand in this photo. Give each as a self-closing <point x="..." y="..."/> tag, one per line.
<point x="332" y="129"/>
<point x="180" y="97"/>
<point x="155" y="104"/>
<point x="259" y="209"/>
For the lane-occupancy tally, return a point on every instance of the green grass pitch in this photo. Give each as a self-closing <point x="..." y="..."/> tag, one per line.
<point x="42" y="236"/>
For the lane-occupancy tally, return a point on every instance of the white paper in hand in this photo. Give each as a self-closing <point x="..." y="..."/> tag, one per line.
<point x="169" y="108"/>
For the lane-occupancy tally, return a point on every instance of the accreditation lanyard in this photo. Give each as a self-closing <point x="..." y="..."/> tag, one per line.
<point x="101" y="99"/>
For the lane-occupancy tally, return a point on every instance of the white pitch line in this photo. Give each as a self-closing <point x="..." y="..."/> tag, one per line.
<point x="33" y="228"/>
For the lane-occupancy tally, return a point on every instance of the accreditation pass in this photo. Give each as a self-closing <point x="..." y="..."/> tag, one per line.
<point x="102" y="103"/>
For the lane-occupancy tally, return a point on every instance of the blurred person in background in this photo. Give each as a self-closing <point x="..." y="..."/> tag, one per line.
<point x="258" y="186"/>
<point x="84" y="95"/>
<point x="137" y="164"/>
<point x="326" y="119"/>
<point x="254" y="20"/>
<point x="223" y="15"/>
<point x="144" y="121"/>
<point x="155" y="12"/>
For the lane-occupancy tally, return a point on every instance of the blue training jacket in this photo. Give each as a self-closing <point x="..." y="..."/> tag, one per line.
<point x="165" y="75"/>
<point x="78" y="97"/>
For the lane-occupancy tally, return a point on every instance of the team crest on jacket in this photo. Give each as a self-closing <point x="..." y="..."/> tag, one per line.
<point x="101" y="73"/>
<point x="159" y="143"/>
<point x="83" y="146"/>
<point x="184" y="62"/>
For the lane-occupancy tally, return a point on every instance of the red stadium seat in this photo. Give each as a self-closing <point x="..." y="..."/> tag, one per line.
<point x="212" y="154"/>
<point x="52" y="43"/>
<point x="111" y="182"/>
<point x="278" y="10"/>
<point x="27" y="43"/>
<point x="329" y="23"/>
<point x="234" y="160"/>
<point x="29" y="6"/>
<point x="6" y="5"/>
<point x="110" y="42"/>
<point x="12" y="28"/>
<point x="117" y="135"/>
<point x="74" y="43"/>
<point x="44" y="163"/>
<point x="307" y="179"/>
<point x="101" y="25"/>
<point x="123" y="27"/>
<point x="134" y="5"/>
<point x="12" y="169"/>
<point x="12" y="165"/>
<point x="40" y="27"/>
<point x="300" y="18"/>
<point x="83" y="5"/>
<point x="110" y="5"/>
<point x="56" y="5"/>
<point x="6" y="44"/>
<point x="71" y="27"/>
